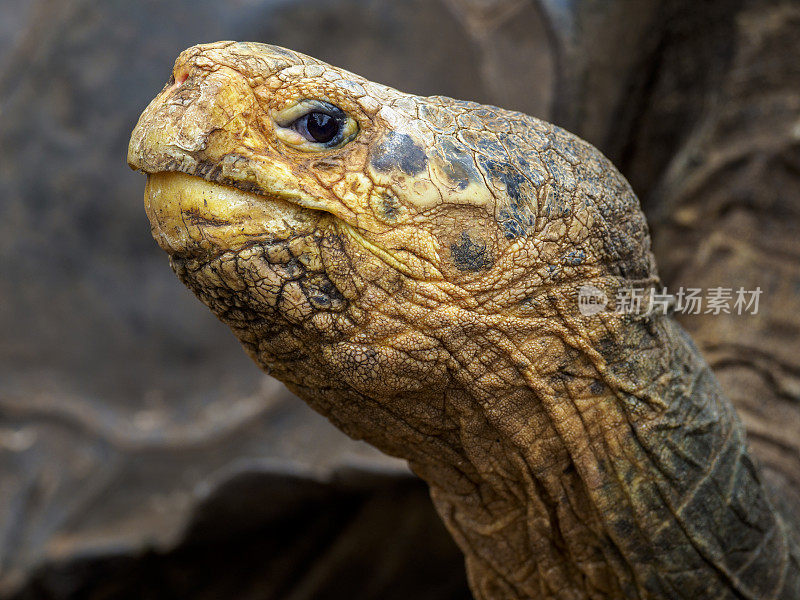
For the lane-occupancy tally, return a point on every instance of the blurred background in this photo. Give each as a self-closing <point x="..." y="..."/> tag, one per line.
<point x="142" y="455"/>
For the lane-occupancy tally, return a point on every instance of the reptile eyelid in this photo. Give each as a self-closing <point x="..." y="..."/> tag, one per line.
<point x="287" y="116"/>
<point x="284" y="120"/>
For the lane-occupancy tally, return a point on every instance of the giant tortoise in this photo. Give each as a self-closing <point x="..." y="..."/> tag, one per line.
<point x="412" y="267"/>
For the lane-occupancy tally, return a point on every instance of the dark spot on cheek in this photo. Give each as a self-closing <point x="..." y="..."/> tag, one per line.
<point x="469" y="256"/>
<point x="398" y="151"/>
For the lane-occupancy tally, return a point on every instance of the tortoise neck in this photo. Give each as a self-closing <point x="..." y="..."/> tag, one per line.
<point x="582" y="484"/>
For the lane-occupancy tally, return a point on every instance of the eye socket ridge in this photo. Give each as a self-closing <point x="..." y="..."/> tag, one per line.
<point x="315" y="124"/>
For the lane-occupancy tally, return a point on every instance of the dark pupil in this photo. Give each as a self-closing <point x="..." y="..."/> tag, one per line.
<point x="322" y="127"/>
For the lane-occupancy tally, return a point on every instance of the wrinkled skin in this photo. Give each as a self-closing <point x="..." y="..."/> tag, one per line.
<point x="418" y="286"/>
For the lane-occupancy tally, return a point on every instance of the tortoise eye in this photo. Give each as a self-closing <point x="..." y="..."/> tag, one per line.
<point x="319" y="127"/>
<point x="314" y="126"/>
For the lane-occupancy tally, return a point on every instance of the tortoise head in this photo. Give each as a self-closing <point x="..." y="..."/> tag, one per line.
<point x="355" y="237"/>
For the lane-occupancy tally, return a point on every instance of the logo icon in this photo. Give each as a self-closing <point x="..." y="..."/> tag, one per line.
<point x="591" y="300"/>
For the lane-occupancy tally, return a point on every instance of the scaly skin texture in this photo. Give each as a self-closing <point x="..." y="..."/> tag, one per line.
<point x="418" y="286"/>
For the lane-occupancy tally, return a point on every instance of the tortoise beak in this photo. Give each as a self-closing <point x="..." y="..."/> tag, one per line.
<point x="191" y="217"/>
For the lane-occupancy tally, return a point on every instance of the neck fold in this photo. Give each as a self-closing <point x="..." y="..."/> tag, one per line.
<point x="581" y="484"/>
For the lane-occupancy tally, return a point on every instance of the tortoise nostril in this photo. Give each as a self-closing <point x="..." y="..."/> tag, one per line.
<point x="178" y="76"/>
<point x="176" y="80"/>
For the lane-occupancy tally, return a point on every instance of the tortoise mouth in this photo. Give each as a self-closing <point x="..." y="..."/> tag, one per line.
<point x="191" y="217"/>
<point x="198" y="220"/>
